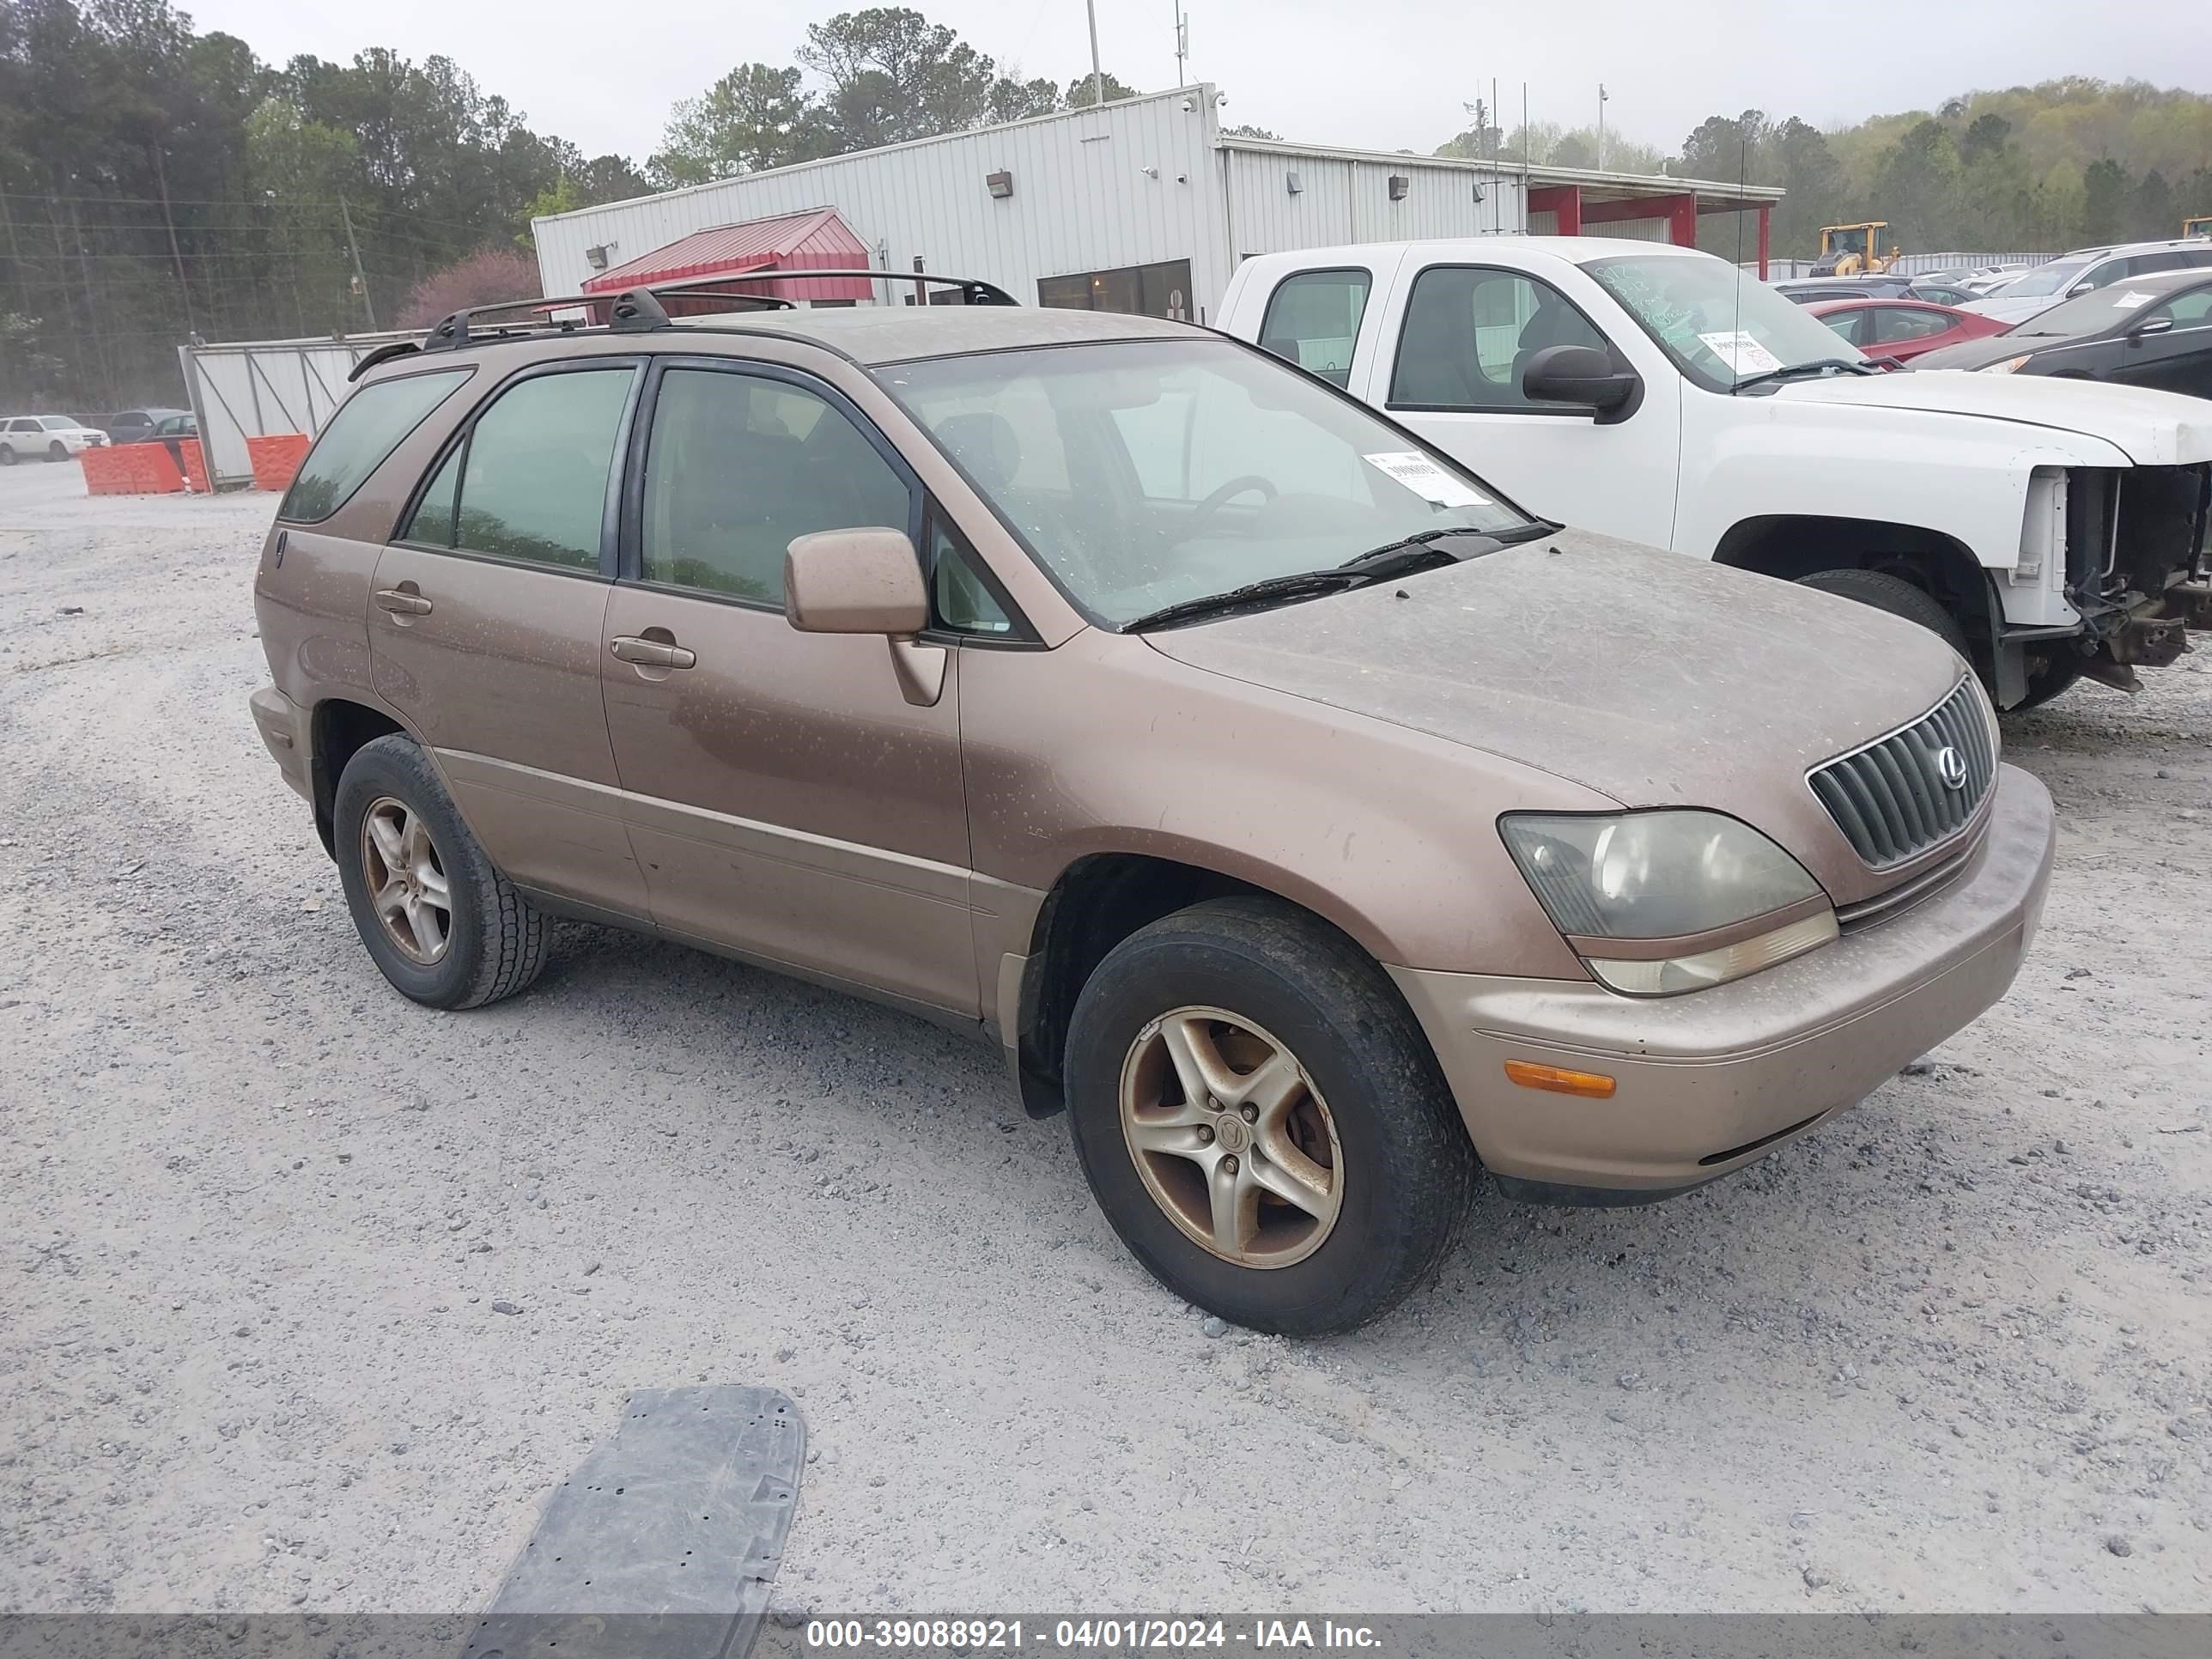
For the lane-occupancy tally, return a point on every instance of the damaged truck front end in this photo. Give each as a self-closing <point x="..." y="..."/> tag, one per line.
<point x="2136" y="545"/>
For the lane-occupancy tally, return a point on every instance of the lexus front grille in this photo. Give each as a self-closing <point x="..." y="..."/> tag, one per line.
<point x="1917" y="788"/>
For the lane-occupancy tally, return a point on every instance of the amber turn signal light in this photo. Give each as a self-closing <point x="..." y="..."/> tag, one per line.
<point x="1591" y="1085"/>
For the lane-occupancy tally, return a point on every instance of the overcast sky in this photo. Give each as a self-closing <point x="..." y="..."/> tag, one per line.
<point x="1379" y="74"/>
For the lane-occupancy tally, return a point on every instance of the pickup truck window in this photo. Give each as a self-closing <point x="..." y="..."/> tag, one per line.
<point x="1313" y="320"/>
<point x="1190" y="467"/>
<point x="1469" y="333"/>
<point x="1719" y="324"/>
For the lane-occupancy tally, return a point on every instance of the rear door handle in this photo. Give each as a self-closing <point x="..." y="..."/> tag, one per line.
<point x="650" y="654"/>
<point x="400" y="603"/>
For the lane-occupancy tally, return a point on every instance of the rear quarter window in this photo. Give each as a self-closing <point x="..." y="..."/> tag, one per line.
<point x="368" y="427"/>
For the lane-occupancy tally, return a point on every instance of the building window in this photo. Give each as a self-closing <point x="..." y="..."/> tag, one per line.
<point x="1159" y="290"/>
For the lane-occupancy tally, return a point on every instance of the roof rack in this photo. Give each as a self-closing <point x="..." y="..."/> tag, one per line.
<point x="638" y="310"/>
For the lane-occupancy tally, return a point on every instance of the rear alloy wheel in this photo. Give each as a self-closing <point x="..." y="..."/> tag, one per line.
<point x="1262" y="1121"/>
<point x="1895" y="595"/>
<point x="446" y="928"/>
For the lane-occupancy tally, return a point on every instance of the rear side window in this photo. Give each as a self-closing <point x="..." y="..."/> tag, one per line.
<point x="367" y="428"/>
<point x="1895" y="323"/>
<point x="1848" y="325"/>
<point x="530" y="480"/>
<point x="1313" y="320"/>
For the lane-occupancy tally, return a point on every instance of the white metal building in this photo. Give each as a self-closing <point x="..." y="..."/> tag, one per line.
<point x="1139" y="205"/>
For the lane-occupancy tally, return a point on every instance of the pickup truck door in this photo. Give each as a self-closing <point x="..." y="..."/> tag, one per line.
<point x="1453" y="340"/>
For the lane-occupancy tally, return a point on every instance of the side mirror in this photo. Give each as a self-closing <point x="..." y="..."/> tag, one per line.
<point x="2149" y="325"/>
<point x="1580" y="374"/>
<point x="855" y="582"/>
<point x="2081" y="288"/>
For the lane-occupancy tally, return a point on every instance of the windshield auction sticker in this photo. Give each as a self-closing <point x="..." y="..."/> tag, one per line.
<point x="1426" y="478"/>
<point x="1742" y="353"/>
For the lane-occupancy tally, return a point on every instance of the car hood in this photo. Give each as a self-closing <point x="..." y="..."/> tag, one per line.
<point x="2152" y="428"/>
<point x="2000" y="309"/>
<point x="1978" y="353"/>
<point x="1654" y="678"/>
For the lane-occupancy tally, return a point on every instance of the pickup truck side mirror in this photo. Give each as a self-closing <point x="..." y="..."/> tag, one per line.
<point x="1582" y="374"/>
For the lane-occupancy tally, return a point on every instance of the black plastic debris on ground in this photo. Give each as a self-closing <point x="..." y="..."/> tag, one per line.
<point x="663" y="1543"/>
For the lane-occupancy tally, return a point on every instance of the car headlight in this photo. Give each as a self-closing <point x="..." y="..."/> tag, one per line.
<point x="1624" y="889"/>
<point x="2007" y="366"/>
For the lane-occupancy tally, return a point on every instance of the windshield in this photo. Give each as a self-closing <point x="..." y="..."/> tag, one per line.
<point x="1718" y="325"/>
<point x="1146" y="472"/>
<point x="2093" y="314"/>
<point x="2045" y="279"/>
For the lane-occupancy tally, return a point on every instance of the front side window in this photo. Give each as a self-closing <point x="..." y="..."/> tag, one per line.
<point x="739" y="466"/>
<point x="1313" y="320"/>
<point x="1178" y="468"/>
<point x="1846" y="325"/>
<point x="2191" y="310"/>
<point x="529" y="483"/>
<point x="1719" y="326"/>
<point x="366" y="428"/>
<point x="1469" y="333"/>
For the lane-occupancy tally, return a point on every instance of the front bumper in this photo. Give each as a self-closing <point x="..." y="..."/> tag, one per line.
<point x="1708" y="1081"/>
<point x="284" y="729"/>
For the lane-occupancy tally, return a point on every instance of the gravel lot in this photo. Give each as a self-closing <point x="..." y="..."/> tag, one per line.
<point x="1949" y="1353"/>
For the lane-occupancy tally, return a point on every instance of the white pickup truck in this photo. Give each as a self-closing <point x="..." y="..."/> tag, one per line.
<point x="2049" y="529"/>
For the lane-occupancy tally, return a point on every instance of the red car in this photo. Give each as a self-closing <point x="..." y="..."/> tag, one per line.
<point x="1903" y="329"/>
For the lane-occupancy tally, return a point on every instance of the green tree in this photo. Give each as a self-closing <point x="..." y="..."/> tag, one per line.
<point x="755" y="117"/>
<point x="2106" y="196"/>
<point x="892" y="74"/>
<point x="1079" y="94"/>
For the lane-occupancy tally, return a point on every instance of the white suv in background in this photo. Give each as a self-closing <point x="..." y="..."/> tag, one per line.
<point x="2083" y="272"/>
<point x="2048" y="529"/>
<point x="52" y="437"/>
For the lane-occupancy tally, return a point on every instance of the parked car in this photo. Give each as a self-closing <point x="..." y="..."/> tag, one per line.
<point x="1656" y="394"/>
<point x="138" y="426"/>
<point x="2153" y="331"/>
<point x="1901" y="329"/>
<point x="1988" y="279"/>
<point x="48" y="437"/>
<point x="1311" y="824"/>
<point x="2086" y="270"/>
<point x="1810" y="290"/>
<point x="1939" y="293"/>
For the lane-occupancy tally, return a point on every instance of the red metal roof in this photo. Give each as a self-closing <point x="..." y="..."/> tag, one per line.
<point x="815" y="240"/>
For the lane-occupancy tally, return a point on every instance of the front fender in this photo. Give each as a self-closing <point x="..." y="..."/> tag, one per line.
<point x="1959" y="477"/>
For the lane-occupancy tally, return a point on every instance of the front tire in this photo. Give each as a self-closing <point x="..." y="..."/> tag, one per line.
<point x="1895" y="595"/>
<point x="1261" y="1120"/>
<point x="57" y="451"/>
<point x="446" y="928"/>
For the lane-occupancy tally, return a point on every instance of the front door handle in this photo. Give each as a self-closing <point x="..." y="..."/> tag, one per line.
<point x="402" y="602"/>
<point x="650" y="654"/>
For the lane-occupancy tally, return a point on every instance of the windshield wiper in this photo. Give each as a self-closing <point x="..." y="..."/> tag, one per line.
<point x="1415" y="552"/>
<point x="1299" y="585"/>
<point x="1790" y="370"/>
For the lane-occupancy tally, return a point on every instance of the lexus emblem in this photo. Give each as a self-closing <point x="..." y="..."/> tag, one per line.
<point x="1951" y="766"/>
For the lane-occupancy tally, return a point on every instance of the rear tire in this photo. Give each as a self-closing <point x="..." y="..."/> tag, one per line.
<point x="1370" y="1138"/>
<point x="1895" y="595"/>
<point x="438" y="918"/>
<point x="7" y="456"/>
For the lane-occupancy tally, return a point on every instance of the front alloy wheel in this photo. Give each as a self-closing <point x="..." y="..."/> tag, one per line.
<point x="1232" y="1140"/>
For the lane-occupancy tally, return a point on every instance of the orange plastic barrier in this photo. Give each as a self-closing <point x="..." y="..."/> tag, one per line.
<point x="276" y="459"/>
<point x="130" y="469"/>
<point x="196" y="476"/>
